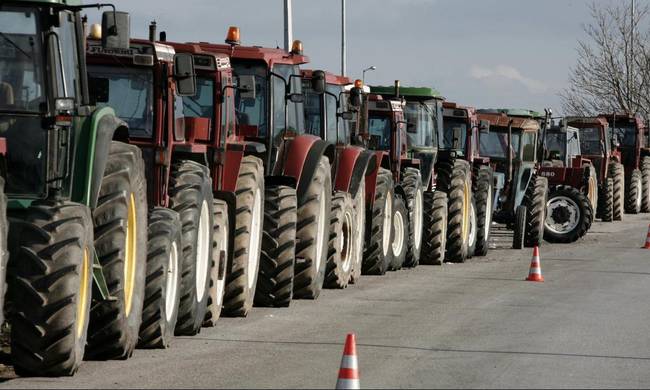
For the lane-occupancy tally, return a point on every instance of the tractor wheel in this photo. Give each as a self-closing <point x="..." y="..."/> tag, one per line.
<point x="51" y="288"/>
<point x="483" y="196"/>
<point x="412" y="184"/>
<point x="633" y="198"/>
<point x="617" y="174"/>
<point x="606" y="201"/>
<point x="4" y="252"/>
<point x="592" y="187"/>
<point x="161" y="294"/>
<point x="220" y="255"/>
<point x="645" y="177"/>
<point x="121" y="243"/>
<point x="190" y="191"/>
<point x="312" y="234"/>
<point x="241" y="278"/>
<point x="535" y="201"/>
<point x="400" y="233"/>
<point x="456" y="180"/>
<point x="359" y="231"/>
<point x="519" y="231"/>
<point x="340" y="253"/>
<point x="377" y="252"/>
<point x="434" y="237"/>
<point x="278" y="258"/>
<point x="472" y="230"/>
<point x="568" y="215"/>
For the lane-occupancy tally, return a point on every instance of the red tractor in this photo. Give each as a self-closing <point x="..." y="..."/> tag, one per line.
<point x="629" y="138"/>
<point x="296" y="165"/>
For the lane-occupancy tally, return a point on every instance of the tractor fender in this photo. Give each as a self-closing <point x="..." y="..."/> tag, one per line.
<point x="231" y="202"/>
<point x="379" y="159"/>
<point x="232" y="162"/>
<point x="303" y="156"/>
<point x="351" y="169"/>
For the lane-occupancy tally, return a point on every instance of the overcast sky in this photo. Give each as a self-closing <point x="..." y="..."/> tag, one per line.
<point x="484" y="53"/>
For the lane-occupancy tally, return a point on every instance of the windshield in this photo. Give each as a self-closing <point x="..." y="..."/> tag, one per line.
<point x="451" y="126"/>
<point x="421" y="130"/>
<point x="312" y="112"/>
<point x="626" y="134"/>
<point x="379" y="128"/>
<point x="252" y="113"/>
<point x="555" y="146"/>
<point x="21" y="61"/>
<point x="129" y="91"/>
<point x="495" y="144"/>
<point x="590" y="141"/>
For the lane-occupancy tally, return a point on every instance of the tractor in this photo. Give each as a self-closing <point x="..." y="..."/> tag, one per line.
<point x="629" y="138"/>
<point x="573" y="183"/>
<point x="445" y="227"/>
<point x="270" y="127"/>
<point x="520" y="192"/>
<point x="77" y="204"/>
<point x="461" y="132"/>
<point x="595" y="144"/>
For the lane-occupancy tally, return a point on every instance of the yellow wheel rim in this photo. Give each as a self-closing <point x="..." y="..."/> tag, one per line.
<point x="130" y="258"/>
<point x="84" y="293"/>
<point x="466" y="211"/>
<point x="593" y="187"/>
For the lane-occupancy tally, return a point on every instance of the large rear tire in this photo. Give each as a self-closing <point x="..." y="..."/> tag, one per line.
<point x="340" y="254"/>
<point x="241" y="279"/>
<point x="483" y="196"/>
<point x="634" y="198"/>
<point x="377" y="253"/>
<point x="277" y="264"/>
<point x="412" y="184"/>
<point x="4" y="251"/>
<point x="359" y="231"/>
<point x="606" y="200"/>
<point x="51" y="288"/>
<point x="191" y="196"/>
<point x="121" y="243"/>
<point x="617" y="173"/>
<point x="456" y="180"/>
<point x="535" y="200"/>
<point x="312" y="234"/>
<point x="220" y="255"/>
<point x="162" y="290"/>
<point x="645" y="176"/>
<point x="568" y="216"/>
<point x="434" y="239"/>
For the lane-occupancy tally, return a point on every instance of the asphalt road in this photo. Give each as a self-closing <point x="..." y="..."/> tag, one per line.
<point x="461" y="325"/>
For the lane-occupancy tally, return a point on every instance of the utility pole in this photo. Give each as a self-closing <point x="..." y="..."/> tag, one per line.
<point x="631" y="77"/>
<point x="288" y="25"/>
<point x="343" y="59"/>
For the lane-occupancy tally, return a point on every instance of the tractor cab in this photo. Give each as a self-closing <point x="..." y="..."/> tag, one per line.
<point x="626" y="134"/>
<point x="561" y="145"/>
<point x="387" y="131"/>
<point x="462" y="130"/>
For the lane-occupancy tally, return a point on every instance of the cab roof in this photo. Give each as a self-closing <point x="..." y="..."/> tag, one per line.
<point x="330" y="78"/>
<point x="49" y="2"/>
<point x="503" y="120"/>
<point x="408" y="92"/>
<point x="583" y="121"/>
<point x="268" y="55"/>
<point x="515" y="112"/>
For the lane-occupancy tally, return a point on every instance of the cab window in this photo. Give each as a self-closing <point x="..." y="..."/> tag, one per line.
<point x="528" y="146"/>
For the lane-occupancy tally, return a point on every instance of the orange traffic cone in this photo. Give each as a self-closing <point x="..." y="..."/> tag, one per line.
<point x="535" y="273"/>
<point x="349" y="371"/>
<point x="647" y="240"/>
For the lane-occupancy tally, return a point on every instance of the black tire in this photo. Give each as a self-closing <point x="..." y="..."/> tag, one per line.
<point x="519" y="231"/>
<point x="633" y="196"/>
<point x="163" y="269"/>
<point x="377" y="253"/>
<point x="340" y="253"/>
<point x="471" y="243"/>
<point x="4" y="251"/>
<point x="412" y="184"/>
<point x="120" y="216"/>
<point x="569" y="215"/>
<point x="278" y="258"/>
<point x="51" y="262"/>
<point x="606" y="201"/>
<point x="311" y="250"/>
<point x="434" y="238"/>
<point x="483" y="196"/>
<point x="617" y="173"/>
<point x="220" y="254"/>
<point x="400" y="234"/>
<point x="241" y="278"/>
<point x="645" y="177"/>
<point x="359" y="231"/>
<point x="535" y="200"/>
<point x="456" y="180"/>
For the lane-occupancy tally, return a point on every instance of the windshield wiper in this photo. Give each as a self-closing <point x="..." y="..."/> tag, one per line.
<point x="12" y="43"/>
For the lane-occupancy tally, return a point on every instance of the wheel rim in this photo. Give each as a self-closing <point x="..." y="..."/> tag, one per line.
<point x="639" y="194"/>
<point x="130" y="258"/>
<point x="488" y="215"/>
<point x="203" y="243"/>
<point x="398" y="239"/>
<point x="320" y="238"/>
<point x="222" y="247"/>
<point x="360" y="225"/>
<point x="562" y="215"/>
<point x="254" y="243"/>
<point x="472" y="222"/>
<point x="84" y="293"/>
<point x="417" y="220"/>
<point x="466" y="210"/>
<point x="171" y="284"/>
<point x="593" y="192"/>
<point x="345" y="242"/>
<point x="388" y="212"/>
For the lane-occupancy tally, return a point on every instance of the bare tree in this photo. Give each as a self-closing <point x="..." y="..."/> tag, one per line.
<point x="613" y="68"/>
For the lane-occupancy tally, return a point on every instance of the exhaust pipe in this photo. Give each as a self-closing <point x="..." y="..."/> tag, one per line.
<point x="152" y="31"/>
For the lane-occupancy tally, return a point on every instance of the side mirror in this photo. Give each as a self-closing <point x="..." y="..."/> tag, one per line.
<point x="116" y="30"/>
<point x="484" y="127"/>
<point x="318" y="81"/>
<point x="247" y="87"/>
<point x="347" y="115"/>
<point x="184" y="74"/>
<point x="296" y="98"/>
<point x="355" y="97"/>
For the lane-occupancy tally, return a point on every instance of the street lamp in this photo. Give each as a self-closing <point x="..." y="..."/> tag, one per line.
<point x="363" y="74"/>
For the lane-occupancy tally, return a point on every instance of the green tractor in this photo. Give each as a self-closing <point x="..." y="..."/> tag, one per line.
<point x="77" y="205"/>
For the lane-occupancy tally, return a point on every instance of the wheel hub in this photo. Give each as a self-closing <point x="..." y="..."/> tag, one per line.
<point x="398" y="228"/>
<point x="563" y="215"/>
<point x="388" y="212"/>
<point x="171" y="284"/>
